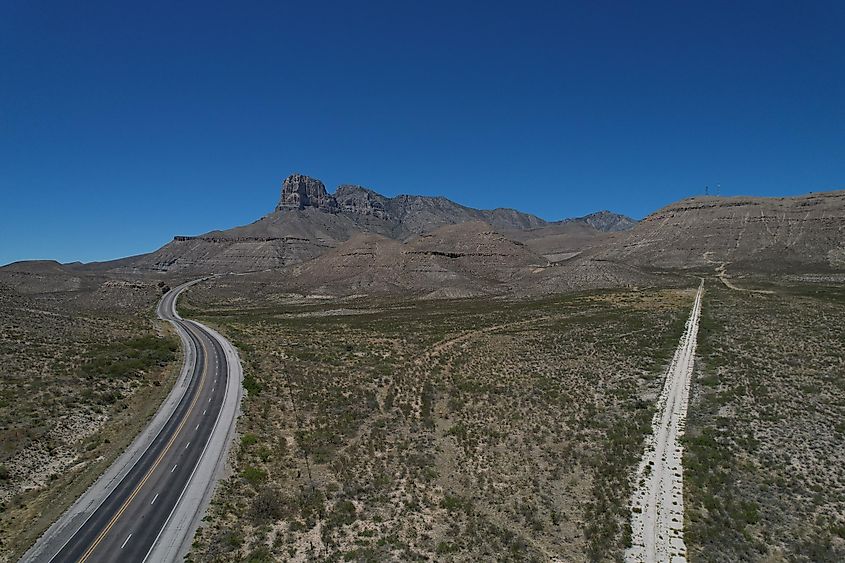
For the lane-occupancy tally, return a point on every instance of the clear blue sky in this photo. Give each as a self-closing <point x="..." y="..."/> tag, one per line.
<point x="125" y="123"/>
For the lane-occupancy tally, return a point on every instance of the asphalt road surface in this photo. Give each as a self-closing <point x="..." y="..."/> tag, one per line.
<point x="128" y="522"/>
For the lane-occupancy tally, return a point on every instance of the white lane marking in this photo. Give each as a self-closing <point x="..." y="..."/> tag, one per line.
<point x="186" y="445"/>
<point x="203" y="411"/>
<point x="198" y="427"/>
<point x="189" y="343"/>
<point x="174" y="468"/>
<point x="125" y="541"/>
<point x="213" y="388"/>
<point x="209" y="399"/>
<point x="154" y="499"/>
<point x="233" y="370"/>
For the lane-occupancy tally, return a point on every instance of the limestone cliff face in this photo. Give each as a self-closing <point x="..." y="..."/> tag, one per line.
<point x="299" y="192"/>
<point x="357" y="199"/>
<point x="406" y="214"/>
<point x="308" y="221"/>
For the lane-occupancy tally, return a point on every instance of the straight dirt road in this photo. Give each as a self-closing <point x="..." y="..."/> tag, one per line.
<point x="657" y="505"/>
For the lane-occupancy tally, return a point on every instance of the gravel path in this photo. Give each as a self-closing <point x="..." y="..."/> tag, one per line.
<point x="657" y="505"/>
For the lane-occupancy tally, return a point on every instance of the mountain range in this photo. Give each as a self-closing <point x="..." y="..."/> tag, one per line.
<point x="308" y="221"/>
<point x="357" y="241"/>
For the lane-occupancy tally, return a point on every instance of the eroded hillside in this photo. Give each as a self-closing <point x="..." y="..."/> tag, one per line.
<point x="751" y="234"/>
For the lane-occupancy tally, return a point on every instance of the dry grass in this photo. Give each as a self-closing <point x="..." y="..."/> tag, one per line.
<point x="463" y="430"/>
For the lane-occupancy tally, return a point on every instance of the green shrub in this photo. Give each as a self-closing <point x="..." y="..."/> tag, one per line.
<point x="129" y="357"/>
<point x="454" y="502"/>
<point x="251" y="385"/>
<point x="269" y="505"/>
<point x="342" y="514"/>
<point x="248" y="440"/>
<point x="260" y="555"/>
<point x="254" y="475"/>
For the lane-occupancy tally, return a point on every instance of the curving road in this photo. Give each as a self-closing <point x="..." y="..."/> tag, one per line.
<point x="150" y="507"/>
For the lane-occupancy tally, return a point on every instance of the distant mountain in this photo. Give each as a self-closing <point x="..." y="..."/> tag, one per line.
<point x="359" y="241"/>
<point x="605" y="221"/>
<point x="308" y="221"/>
<point x="760" y="234"/>
<point x="407" y="214"/>
<point x="563" y="240"/>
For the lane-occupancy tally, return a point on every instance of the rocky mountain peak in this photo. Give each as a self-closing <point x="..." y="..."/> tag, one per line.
<point x="358" y="199"/>
<point x="604" y="221"/>
<point x="608" y="221"/>
<point x="299" y="192"/>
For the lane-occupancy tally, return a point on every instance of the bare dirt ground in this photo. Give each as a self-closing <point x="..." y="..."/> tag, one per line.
<point x="722" y="272"/>
<point x="657" y="514"/>
<point x="460" y="430"/>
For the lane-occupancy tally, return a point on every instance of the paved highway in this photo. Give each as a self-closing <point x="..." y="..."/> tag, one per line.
<point x="131" y="517"/>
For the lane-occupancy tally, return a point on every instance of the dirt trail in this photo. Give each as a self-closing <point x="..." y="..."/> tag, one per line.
<point x="722" y="272"/>
<point x="657" y="505"/>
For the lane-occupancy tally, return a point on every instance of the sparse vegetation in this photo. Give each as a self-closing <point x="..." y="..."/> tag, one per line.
<point x="764" y="477"/>
<point x="458" y="430"/>
<point x="128" y="358"/>
<point x="82" y="372"/>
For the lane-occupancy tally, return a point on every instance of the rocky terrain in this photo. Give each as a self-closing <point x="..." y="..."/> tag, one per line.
<point x="358" y="241"/>
<point x="308" y="221"/>
<point x="802" y="235"/>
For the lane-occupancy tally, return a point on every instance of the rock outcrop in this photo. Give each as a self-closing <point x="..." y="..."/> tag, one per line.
<point x="308" y="221"/>
<point x="606" y="221"/>
<point x="360" y="200"/>
<point x="299" y="192"/>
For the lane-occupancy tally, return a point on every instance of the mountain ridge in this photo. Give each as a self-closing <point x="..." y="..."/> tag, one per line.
<point x="763" y="234"/>
<point x="308" y="220"/>
<point x="433" y="237"/>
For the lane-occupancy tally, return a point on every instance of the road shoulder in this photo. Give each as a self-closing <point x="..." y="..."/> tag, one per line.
<point x="74" y="517"/>
<point x="175" y="539"/>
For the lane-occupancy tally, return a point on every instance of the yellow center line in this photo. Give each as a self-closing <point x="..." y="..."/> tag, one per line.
<point x="126" y="503"/>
